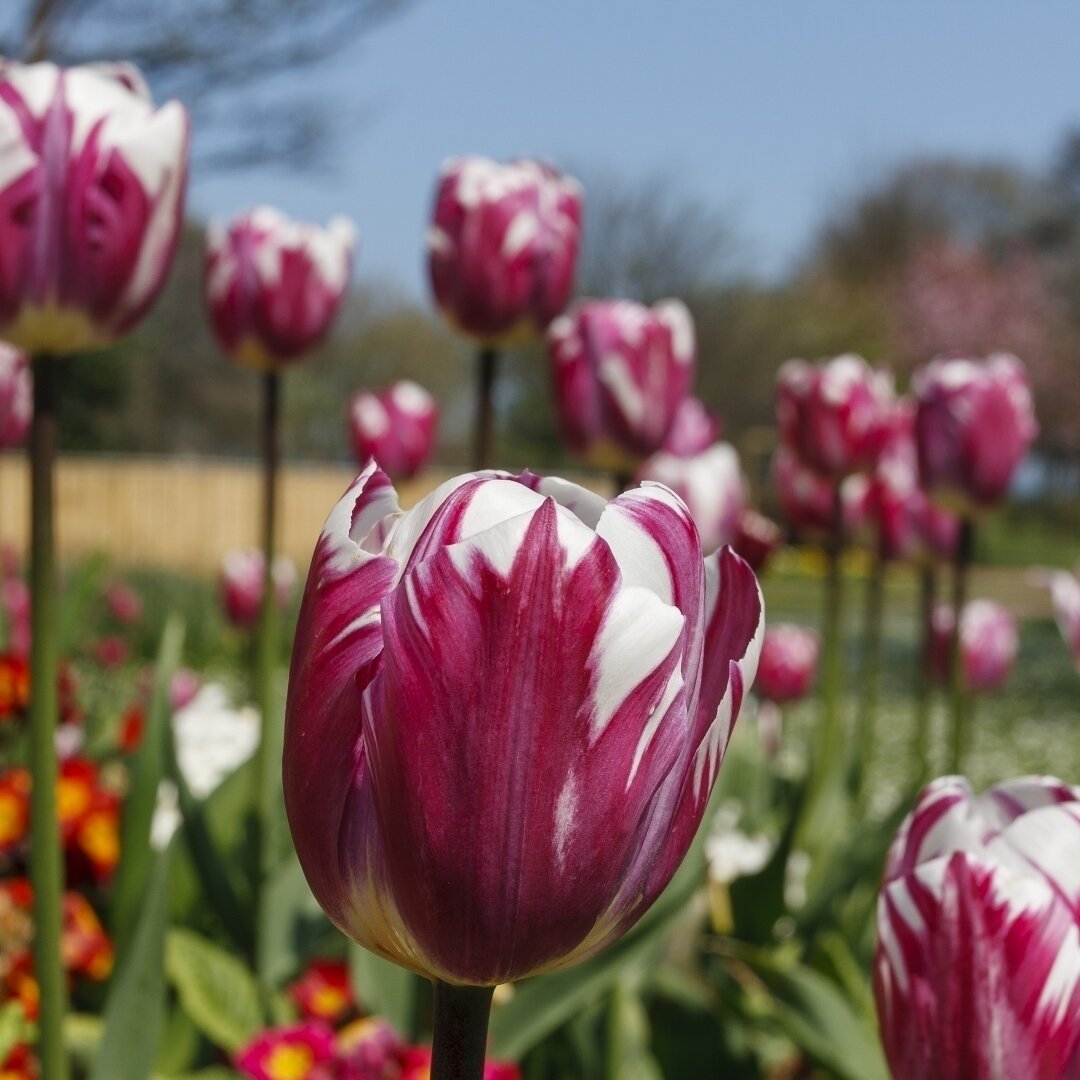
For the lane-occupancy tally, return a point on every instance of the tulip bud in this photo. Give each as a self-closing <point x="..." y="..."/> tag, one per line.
<point x="807" y="500"/>
<point x="1065" y="596"/>
<point x="974" y="425"/>
<point x="834" y="416"/>
<point x="124" y="603"/>
<point x="710" y="483"/>
<point x="788" y="664"/>
<point x="503" y="245"/>
<point x="507" y="708"/>
<point x="273" y="285"/>
<point x="94" y="179"/>
<point x="621" y="371"/>
<point x="16" y="396"/>
<point x="977" y="971"/>
<point x="396" y="427"/>
<point x="909" y="525"/>
<point x="241" y="584"/>
<point x="988" y="644"/>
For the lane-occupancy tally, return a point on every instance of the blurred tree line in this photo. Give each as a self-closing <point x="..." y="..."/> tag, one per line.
<point x="932" y="256"/>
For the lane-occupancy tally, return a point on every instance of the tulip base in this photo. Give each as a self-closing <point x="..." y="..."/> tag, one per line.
<point x="46" y="866"/>
<point x="459" y="1044"/>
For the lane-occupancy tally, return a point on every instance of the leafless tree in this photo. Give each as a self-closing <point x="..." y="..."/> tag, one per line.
<point x="233" y="62"/>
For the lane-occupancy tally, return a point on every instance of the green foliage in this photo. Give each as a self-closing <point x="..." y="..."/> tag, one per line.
<point x="389" y="990"/>
<point x="216" y="989"/>
<point x="134" y="1010"/>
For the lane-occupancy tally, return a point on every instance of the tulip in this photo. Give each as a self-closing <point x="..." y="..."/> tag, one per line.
<point x="16" y="396"/>
<point x="273" y="285"/>
<point x="694" y="429"/>
<point x="533" y="690"/>
<point x="977" y="969"/>
<point x="94" y="182"/>
<point x="833" y="416"/>
<point x="988" y="641"/>
<point x="788" y="664"/>
<point x="621" y="371"/>
<point x="183" y="688"/>
<point x="809" y="502"/>
<point x="756" y="538"/>
<point x="974" y="424"/>
<point x="1065" y="596"/>
<point x="710" y="483"/>
<point x="124" y="603"/>
<point x="395" y="426"/>
<point x="241" y="583"/>
<point x="502" y="247"/>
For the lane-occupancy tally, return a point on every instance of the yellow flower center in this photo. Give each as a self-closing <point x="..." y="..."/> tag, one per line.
<point x="328" y="1001"/>
<point x="72" y="799"/>
<point x="99" y="837"/>
<point x="289" y="1062"/>
<point x="12" y="818"/>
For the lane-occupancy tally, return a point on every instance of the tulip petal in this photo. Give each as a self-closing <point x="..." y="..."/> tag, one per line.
<point x="327" y="793"/>
<point x="507" y="741"/>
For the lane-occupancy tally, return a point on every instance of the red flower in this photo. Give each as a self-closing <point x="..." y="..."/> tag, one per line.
<point x="295" y="1052"/>
<point x="14" y="686"/>
<point x="14" y="809"/>
<point x="111" y="651"/>
<point x="324" y="992"/>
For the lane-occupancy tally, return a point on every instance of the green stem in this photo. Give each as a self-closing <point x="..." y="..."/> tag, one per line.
<point x="46" y="866"/>
<point x="871" y="674"/>
<point x="459" y="1043"/>
<point x="924" y="677"/>
<point x="266" y="641"/>
<point x="487" y="369"/>
<point x="958" y="691"/>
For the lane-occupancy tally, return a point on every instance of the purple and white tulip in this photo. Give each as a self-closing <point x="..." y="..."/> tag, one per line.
<point x="274" y="285"/>
<point x="506" y="712"/>
<point x="807" y="500"/>
<point x="1065" y="596"/>
<point x="710" y="483"/>
<point x="242" y="580"/>
<point x="395" y="426"/>
<point x="756" y="538"/>
<point x="834" y="416"/>
<point x="974" y="424"/>
<point x="989" y="644"/>
<point x="621" y="371"/>
<point x="16" y="396"/>
<point x="977" y="971"/>
<point x="92" y="184"/>
<point x="503" y="246"/>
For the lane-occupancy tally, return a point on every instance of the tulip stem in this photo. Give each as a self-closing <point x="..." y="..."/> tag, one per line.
<point x="924" y="673"/>
<point x="459" y="1045"/>
<point x="965" y="546"/>
<point x="266" y="642"/>
<point x="487" y="369"/>
<point x="46" y="866"/>
<point x="871" y="673"/>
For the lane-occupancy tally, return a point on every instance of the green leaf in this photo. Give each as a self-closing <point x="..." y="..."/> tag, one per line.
<point x="133" y="872"/>
<point x="387" y="989"/>
<point x="14" y="1027"/>
<point x="136" y="1001"/>
<point x="81" y="591"/>
<point x="629" y="1057"/>
<point x="216" y="990"/>
<point x="82" y="1037"/>
<point x="292" y="925"/>
<point x="818" y="1019"/>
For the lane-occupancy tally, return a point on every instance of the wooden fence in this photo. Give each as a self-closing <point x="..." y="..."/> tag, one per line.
<point x="174" y="513"/>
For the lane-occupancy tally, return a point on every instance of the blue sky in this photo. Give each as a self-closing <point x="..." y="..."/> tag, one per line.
<point x="771" y="110"/>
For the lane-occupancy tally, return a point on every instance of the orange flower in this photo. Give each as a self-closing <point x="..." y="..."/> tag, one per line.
<point x="14" y="686"/>
<point x="14" y="808"/>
